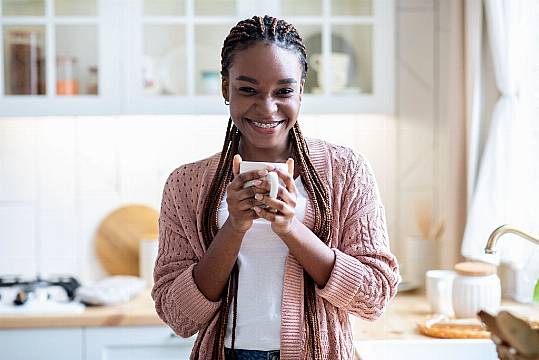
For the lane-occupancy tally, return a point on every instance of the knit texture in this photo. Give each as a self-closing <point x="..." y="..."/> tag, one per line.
<point x="363" y="280"/>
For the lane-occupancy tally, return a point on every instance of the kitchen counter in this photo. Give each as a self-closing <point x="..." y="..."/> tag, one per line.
<point x="398" y="322"/>
<point x="138" y="311"/>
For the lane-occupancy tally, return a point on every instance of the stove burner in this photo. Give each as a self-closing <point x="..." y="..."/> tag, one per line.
<point x="27" y="286"/>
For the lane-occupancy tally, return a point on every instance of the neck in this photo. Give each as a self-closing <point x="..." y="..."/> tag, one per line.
<point x="249" y="152"/>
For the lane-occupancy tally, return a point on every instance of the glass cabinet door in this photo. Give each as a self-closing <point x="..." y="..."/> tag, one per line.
<point x="340" y="48"/>
<point x="50" y="47"/>
<point x="178" y="65"/>
<point x="24" y="52"/>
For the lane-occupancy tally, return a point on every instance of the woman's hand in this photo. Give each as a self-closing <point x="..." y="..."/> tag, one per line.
<point x="282" y="210"/>
<point x="242" y="201"/>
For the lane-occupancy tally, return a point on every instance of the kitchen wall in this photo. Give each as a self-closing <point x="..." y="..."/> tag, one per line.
<point x="59" y="177"/>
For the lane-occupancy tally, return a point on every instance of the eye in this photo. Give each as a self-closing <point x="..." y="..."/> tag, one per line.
<point x="247" y="90"/>
<point x="285" y="91"/>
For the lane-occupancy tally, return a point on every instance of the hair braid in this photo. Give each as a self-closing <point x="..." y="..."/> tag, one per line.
<point x="241" y="36"/>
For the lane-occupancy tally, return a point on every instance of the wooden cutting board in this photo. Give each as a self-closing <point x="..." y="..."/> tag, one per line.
<point x="118" y="238"/>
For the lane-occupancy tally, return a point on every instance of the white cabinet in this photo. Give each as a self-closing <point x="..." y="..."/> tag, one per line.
<point x="41" y="344"/>
<point x="163" y="56"/>
<point x="136" y="343"/>
<point x="94" y="343"/>
<point x="59" y="57"/>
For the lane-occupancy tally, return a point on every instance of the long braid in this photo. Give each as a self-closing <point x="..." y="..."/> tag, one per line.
<point x="241" y="36"/>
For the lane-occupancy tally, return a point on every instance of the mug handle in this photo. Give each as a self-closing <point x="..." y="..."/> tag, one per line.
<point x="273" y="179"/>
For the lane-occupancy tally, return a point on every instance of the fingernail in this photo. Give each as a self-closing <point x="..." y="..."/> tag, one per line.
<point x="263" y="172"/>
<point x="257" y="182"/>
<point x="258" y="196"/>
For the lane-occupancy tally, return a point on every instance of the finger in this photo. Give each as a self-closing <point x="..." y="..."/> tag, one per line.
<point x="287" y="197"/>
<point x="236" y="164"/>
<point x="240" y="180"/>
<point x="265" y="214"/>
<point x="282" y="195"/>
<point x="249" y="192"/>
<point x="290" y="163"/>
<point x="288" y="180"/>
<point x="278" y="205"/>
<point x="264" y="185"/>
<point x="248" y="204"/>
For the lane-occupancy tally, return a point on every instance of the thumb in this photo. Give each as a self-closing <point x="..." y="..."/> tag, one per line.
<point x="236" y="164"/>
<point x="290" y="163"/>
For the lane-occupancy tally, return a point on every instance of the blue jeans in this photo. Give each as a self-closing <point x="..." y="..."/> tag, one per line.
<point x="252" y="354"/>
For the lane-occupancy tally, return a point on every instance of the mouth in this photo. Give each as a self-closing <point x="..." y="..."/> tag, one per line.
<point x="265" y="125"/>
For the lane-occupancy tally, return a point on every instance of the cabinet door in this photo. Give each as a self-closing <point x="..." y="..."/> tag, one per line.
<point x="136" y="343"/>
<point x="59" y="57"/>
<point x="41" y="344"/>
<point x="175" y="66"/>
<point x="350" y="51"/>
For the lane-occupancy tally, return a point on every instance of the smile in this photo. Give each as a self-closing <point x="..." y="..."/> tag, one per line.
<point x="265" y="126"/>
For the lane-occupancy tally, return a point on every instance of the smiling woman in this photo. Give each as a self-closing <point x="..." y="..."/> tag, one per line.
<point x="263" y="277"/>
<point x="264" y="87"/>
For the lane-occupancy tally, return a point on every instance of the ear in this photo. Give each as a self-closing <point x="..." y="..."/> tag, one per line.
<point x="301" y="87"/>
<point x="224" y="87"/>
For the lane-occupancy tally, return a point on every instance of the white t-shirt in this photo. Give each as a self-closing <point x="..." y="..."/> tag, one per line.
<point x="261" y="262"/>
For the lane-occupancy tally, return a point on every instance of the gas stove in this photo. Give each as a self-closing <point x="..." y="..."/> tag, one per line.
<point x="54" y="294"/>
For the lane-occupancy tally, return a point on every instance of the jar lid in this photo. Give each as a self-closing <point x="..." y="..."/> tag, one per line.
<point x="475" y="268"/>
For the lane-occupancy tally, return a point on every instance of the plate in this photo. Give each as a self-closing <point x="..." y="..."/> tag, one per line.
<point x="407" y="286"/>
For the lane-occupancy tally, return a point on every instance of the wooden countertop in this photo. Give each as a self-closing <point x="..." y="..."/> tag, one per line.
<point x="402" y="315"/>
<point x="398" y="322"/>
<point x="138" y="311"/>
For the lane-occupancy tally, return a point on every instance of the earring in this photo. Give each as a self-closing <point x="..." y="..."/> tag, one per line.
<point x="227" y="102"/>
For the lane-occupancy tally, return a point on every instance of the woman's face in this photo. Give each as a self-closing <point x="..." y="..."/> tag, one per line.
<point x="264" y="87"/>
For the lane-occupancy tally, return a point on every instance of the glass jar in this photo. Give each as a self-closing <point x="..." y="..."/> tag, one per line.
<point x="25" y="63"/>
<point x="92" y="87"/>
<point x="476" y="287"/>
<point x="67" y="82"/>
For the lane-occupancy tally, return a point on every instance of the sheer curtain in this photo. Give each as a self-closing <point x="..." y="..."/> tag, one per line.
<point x="503" y="176"/>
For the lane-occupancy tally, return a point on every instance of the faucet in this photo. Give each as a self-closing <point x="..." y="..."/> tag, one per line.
<point x="493" y="238"/>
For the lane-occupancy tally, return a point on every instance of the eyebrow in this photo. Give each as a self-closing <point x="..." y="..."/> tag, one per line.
<point x="254" y="81"/>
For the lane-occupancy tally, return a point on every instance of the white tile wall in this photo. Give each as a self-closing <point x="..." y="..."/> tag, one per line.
<point x="79" y="169"/>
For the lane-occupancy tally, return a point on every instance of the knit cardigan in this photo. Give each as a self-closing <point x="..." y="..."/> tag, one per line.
<point x="364" y="277"/>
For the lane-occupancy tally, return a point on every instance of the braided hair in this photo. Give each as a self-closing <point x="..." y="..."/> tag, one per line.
<point x="244" y="34"/>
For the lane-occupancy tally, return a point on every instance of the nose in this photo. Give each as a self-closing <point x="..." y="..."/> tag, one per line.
<point x="266" y="105"/>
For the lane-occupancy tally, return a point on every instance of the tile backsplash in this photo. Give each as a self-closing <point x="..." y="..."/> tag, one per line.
<point x="60" y="176"/>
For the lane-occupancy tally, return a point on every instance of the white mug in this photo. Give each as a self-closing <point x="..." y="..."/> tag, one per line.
<point x="272" y="176"/>
<point x="147" y="256"/>
<point x="439" y="288"/>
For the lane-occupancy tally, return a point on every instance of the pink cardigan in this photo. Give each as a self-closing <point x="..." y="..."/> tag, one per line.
<point x="363" y="280"/>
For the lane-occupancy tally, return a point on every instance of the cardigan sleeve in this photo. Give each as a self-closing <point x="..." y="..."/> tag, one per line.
<point x="178" y="301"/>
<point x="365" y="274"/>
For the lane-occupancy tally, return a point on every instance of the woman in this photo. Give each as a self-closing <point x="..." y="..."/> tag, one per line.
<point x="275" y="282"/>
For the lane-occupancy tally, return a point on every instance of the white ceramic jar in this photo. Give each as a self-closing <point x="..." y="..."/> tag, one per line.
<point x="475" y="287"/>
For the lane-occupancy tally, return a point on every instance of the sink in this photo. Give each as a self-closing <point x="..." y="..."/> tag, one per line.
<point x="439" y="349"/>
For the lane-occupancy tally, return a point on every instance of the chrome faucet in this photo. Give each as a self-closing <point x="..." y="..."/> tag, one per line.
<point x="493" y="238"/>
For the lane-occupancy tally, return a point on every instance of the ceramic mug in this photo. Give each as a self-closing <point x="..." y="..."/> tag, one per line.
<point x="439" y="288"/>
<point x="340" y="65"/>
<point x="272" y="176"/>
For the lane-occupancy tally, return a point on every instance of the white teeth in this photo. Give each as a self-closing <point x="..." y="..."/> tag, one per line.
<point x="266" y="126"/>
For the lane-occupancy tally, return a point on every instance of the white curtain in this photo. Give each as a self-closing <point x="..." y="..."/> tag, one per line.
<point x="503" y="181"/>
